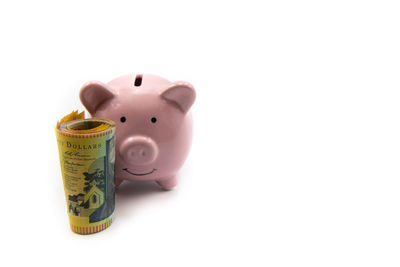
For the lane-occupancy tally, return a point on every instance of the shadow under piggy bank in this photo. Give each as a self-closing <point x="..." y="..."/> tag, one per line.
<point x="131" y="196"/>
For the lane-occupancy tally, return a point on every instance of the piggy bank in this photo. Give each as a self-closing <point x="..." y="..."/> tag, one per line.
<point x="153" y="124"/>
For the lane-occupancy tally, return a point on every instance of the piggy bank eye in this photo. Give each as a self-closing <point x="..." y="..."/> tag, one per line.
<point x="123" y="119"/>
<point x="154" y="120"/>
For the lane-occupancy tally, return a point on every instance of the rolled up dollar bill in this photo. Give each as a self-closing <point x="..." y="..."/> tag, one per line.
<point x="87" y="155"/>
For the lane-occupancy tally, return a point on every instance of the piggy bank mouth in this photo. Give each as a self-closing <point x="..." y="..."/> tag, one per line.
<point x="139" y="174"/>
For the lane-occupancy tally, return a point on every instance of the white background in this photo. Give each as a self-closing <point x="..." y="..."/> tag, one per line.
<point x="295" y="160"/>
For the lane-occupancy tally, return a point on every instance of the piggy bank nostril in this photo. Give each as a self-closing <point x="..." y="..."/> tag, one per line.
<point x="137" y="152"/>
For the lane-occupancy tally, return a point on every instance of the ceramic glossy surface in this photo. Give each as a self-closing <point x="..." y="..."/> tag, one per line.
<point x="153" y="121"/>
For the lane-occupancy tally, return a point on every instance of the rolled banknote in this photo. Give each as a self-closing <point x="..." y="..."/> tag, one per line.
<point x="87" y="155"/>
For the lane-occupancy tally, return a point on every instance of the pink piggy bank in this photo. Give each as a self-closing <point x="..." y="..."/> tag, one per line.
<point x="154" y="125"/>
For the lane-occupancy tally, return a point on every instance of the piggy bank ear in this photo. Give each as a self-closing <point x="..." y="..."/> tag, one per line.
<point x="181" y="94"/>
<point x="93" y="94"/>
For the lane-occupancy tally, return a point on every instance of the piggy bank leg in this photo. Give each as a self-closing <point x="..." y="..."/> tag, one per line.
<point x="168" y="183"/>
<point x="117" y="181"/>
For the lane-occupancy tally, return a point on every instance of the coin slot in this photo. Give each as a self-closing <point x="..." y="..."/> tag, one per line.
<point x="138" y="80"/>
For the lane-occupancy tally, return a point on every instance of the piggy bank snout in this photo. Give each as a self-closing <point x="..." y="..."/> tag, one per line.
<point x="139" y="150"/>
